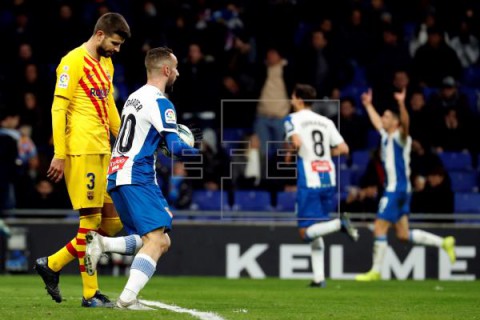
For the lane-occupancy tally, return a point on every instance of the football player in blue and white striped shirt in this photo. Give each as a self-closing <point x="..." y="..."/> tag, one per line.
<point x="317" y="139"/>
<point x="394" y="206"/>
<point x="148" y="118"/>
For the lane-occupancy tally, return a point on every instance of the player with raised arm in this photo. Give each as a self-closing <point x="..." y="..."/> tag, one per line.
<point x="394" y="206"/>
<point x="83" y="116"/>
<point x="148" y="118"/>
<point x="317" y="140"/>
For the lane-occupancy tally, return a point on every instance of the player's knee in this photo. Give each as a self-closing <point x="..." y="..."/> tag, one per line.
<point x="165" y="243"/>
<point x="402" y="236"/>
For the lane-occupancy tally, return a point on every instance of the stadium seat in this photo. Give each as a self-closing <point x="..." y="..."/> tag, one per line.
<point x="344" y="179"/>
<point x="340" y="162"/>
<point x="286" y="201"/>
<point x="360" y="159"/>
<point x="428" y="92"/>
<point x="456" y="160"/>
<point x="471" y="76"/>
<point x="373" y="139"/>
<point x="354" y="91"/>
<point x="252" y="200"/>
<point x="233" y="138"/>
<point x="472" y="97"/>
<point x="463" y="181"/>
<point x="467" y="202"/>
<point x="209" y="200"/>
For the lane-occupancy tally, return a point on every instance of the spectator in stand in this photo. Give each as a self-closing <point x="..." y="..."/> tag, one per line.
<point x="398" y="83"/>
<point x="391" y="57"/>
<point x="200" y="79"/>
<point x="46" y="197"/>
<point x="353" y="127"/>
<point x="452" y="134"/>
<point x="356" y="38"/>
<point x="449" y="97"/>
<point x="466" y="45"/>
<point x="435" y="60"/>
<point x="274" y="103"/>
<point x="421" y="32"/>
<point x="421" y="127"/>
<point x="316" y="64"/>
<point x="9" y="160"/>
<point x="433" y="194"/>
<point x="362" y="199"/>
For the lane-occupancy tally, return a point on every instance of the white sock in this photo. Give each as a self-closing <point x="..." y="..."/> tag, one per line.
<point x="126" y="245"/>
<point x="142" y="269"/>
<point x="318" y="246"/>
<point x="425" y="238"/>
<point x="322" y="228"/>
<point x="379" y="248"/>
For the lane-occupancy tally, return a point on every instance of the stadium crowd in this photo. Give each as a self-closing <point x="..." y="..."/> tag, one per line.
<point x="231" y="50"/>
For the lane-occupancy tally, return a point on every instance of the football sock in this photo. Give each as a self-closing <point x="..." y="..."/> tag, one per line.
<point x="87" y="223"/>
<point x="63" y="256"/>
<point x="142" y="269"/>
<point x="110" y="226"/>
<point x="126" y="245"/>
<point x="425" y="238"/>
<point x="379" y="249"/>
<point x="318" y="246"/>
<point x="322" y="229"/>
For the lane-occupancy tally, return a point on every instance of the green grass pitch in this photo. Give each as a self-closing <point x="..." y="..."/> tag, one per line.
<point x="23" y="297"/>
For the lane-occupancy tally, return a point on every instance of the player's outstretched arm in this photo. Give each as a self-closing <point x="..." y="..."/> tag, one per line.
<point x="404" y="118"/>
<point x="372" y="113"/>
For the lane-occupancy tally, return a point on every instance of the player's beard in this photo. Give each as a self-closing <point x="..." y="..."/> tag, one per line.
<point x="169" y="85"/>
<point x="104" y="53"/>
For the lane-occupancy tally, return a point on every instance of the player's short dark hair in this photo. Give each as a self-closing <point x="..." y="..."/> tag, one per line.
<point x="395" y="112"/>
<point x="156" y="56"/>
<point x="305" y="92"/>
<point x="113" y="23"/>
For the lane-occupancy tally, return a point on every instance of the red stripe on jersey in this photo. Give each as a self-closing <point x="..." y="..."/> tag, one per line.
<point x="84" y="230"/>
<point x="71" y="249"/>
<point x="95" y="67"/>
<point x="82" y="268"/>
<point x="81" y="254"/>
<point x="81" y="242"/>
<point x="95" y="103"/>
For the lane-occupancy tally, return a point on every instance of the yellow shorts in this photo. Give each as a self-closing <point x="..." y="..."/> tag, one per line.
<point x="86" y="179"/>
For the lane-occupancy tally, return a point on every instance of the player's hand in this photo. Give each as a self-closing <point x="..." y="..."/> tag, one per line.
<point x="366" y="98"/>
<point x="400" y="96"/>
<point x="55" y="172"/>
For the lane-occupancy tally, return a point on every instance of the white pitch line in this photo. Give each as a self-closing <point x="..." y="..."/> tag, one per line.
<point x="198" y="314"/>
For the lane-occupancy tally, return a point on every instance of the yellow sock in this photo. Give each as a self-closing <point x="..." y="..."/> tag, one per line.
<point x="87" y="223"/>
<point x="63" y="256"/>
<point x="110" y="226"/>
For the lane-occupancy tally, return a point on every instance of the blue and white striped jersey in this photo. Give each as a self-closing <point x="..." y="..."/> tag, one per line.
<point x="315" y="168"/>
<point x="145" y="116"/>
<point x="395" y="155"/>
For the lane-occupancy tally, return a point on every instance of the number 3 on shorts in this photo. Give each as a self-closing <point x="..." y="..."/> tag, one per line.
<point x="91" y="184"/>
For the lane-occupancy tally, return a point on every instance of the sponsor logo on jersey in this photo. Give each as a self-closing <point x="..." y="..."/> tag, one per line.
<point x="99" y="93"/>
<point x="321" y="166"/>
<point x="63" y="81"/>
<point x="170" y="116"/>
<point x="116" y="164"/>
